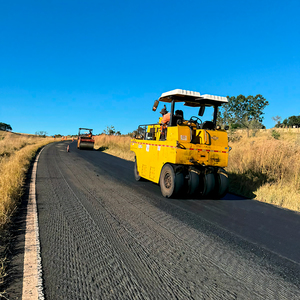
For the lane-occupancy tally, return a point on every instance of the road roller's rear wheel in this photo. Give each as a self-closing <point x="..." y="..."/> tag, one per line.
<point x="207" y="185"/>
<point x="193" y="183"/>
<point x="136" y="173"/>
<point x="222" y="184"/>
<point x="171" y="183"/>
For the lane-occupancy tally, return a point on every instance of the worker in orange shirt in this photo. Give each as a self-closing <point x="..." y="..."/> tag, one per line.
<point x="164" y="122"/>
<point x="165" y="116"/>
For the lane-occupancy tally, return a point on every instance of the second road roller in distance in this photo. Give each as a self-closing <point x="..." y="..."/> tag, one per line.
<point x="85" y="139"/>
<point x="186" y="157"/>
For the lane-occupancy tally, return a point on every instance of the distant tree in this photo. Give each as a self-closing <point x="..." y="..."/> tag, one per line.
<point x="138" y="132"/>
<point x="294" y="121"/>
<point x="243" y="112"/>
<point x="224" y="116"/>
<point x="58" y="135"/>
<point x="110" y="130"/>
<point x="277" y="120"/>
<point x="291" y="121"/>
<point x="235" y="126"/>
<point x="41" y="133"/>
<point x="5" y="127"/>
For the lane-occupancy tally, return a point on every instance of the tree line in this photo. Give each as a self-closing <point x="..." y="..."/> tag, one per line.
<point x="239" y="112"/>
<point x="247" y="112"/>
<point x="292" y="121"/>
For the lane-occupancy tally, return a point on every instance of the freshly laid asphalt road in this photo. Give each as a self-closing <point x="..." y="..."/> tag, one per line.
<point x="105" y="236"/>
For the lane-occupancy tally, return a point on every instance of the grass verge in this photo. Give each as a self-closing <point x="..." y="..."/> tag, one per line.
<point x="266" y="168"/>
<point x="16" y="153"/>
<point x="115" y="145"/>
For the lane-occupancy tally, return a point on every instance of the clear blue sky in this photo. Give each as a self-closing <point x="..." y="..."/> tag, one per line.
<point x="70" y="64"/>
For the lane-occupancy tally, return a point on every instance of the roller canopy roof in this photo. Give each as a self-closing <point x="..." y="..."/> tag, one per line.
<point x="192" y="98"/>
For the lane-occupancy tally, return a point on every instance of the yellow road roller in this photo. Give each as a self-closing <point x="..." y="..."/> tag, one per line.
<point x="185" y="156"/>
<point x="85" y="139"/>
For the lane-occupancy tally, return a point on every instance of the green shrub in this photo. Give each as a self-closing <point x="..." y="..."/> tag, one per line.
<point x="275" y="134"/>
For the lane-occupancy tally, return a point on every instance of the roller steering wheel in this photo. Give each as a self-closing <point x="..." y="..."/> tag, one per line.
<point x="195" y="120"/>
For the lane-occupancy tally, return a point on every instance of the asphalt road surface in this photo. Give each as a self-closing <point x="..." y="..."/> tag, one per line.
<point x="106" y="236"/>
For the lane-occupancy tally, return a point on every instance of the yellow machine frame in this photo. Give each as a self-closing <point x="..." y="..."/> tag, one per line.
<point x="187" y="149"/>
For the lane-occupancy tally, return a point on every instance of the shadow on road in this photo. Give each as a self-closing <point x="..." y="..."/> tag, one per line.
<point x="246" y="184"/>
<point x="234" y="197"/>
<point x="103" y="148"/>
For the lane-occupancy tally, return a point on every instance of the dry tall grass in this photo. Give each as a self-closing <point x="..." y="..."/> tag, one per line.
<point x="16" y="152"/>
<point x="114" y="145"/>
<point x="265" y="168"/>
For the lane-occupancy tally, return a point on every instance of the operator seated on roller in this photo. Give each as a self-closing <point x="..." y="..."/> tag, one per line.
<point x="178" y="117"/>
<point x="164" y="122"/>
